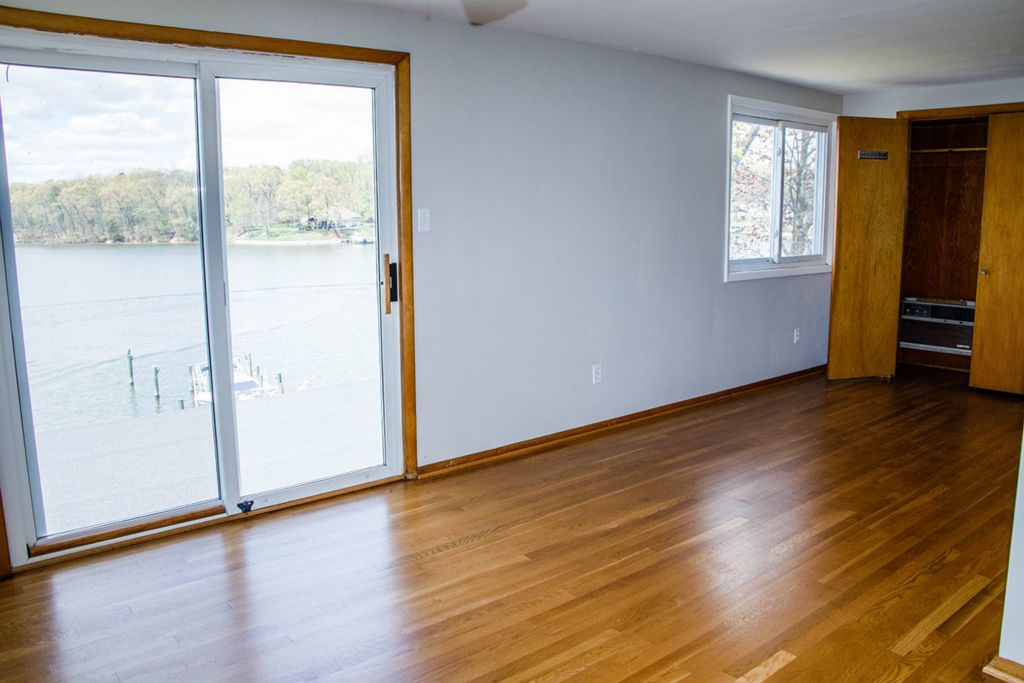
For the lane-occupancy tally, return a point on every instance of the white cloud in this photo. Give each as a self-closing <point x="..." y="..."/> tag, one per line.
<point x="270" y="122"/>
<point x="63" y="123"/>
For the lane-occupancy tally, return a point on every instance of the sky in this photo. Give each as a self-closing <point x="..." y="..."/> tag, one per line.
<point x="61" y="124"/>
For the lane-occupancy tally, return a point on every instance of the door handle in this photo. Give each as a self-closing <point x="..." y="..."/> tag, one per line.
<point x="984" y="271"/>
<point x="390" y="283"/>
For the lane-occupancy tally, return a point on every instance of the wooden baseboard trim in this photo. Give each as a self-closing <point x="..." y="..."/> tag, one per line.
<point x="193" y="526"/>
<point x="530" y="446"/>
<point x="1005" y="670"/>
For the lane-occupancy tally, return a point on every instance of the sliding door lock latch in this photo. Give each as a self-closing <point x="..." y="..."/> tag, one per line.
<point x="393" y="281"/>
<point x="245" y="506"/>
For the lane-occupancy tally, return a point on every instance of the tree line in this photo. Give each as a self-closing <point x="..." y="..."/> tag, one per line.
<point x="155" y="206"/>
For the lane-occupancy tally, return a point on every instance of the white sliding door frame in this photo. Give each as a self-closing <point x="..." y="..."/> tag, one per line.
<point x="381" y="80"/>
<point x="18" y="473"/>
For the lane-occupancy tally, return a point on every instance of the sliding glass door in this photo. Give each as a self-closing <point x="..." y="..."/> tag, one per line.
<point x="193" y="259"/>
<point x="102" y="181"/>
<point x="300" y="215"/>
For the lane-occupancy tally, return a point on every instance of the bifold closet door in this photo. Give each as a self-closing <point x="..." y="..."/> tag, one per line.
<point x="870" y="212"/>
<point x="998" y="355"/>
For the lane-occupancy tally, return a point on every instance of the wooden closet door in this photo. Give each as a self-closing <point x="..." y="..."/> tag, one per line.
<point x="997" y="360"/>
<point x="870" y="212"/>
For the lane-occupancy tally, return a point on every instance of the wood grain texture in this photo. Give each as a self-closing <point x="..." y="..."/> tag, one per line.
<point x="5" y="550"/>
<point x="998" y="355"/>
<point x="1005" y="670"/>
<point x="947" y="150"/>
<point x="933" y="359"/>
<point x="870" y="212"/>
<point x="966" y="134"/>
<point x="943" y="229"/>
<point x="173" y="35"/>
<point x="765" y="670"/>
<point x="824" y="521"/>
<point x="77" y="539"/>
<point x="960" y="112"/>
<point x="403" y="101"/>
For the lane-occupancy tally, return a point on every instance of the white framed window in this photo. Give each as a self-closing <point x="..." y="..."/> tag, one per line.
<point x="778" y="218"/>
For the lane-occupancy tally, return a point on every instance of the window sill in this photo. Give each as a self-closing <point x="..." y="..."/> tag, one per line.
<point x="777" y="271"/>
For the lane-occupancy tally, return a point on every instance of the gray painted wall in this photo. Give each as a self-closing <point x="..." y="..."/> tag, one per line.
<point x="885" y="103"/>
<point x="578" y="210"/>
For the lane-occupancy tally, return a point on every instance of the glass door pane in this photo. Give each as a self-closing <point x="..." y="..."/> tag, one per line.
<point x="800" y="183"/>
<point x="301" y="223"/>
<point x="103" y="188"/>
<point x="750" y="201"/>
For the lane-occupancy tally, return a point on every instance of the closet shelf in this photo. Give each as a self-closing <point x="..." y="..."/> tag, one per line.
<point x="943" y="150"/>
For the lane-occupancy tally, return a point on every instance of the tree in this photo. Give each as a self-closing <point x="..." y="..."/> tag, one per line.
<point x="295" y="199"/>
<point x="751" y="197"/>
<point x="162" y="206"/>
<point x="82" y="198"/>
<point x="125" y="202"/>
<point x="799" y="190"/>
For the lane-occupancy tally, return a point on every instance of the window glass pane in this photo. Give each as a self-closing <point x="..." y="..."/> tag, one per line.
<point x="104" y="199"/>
<point x="300" y="205"/>
<point x="750" y="201"/>
<point x="800" y="192"/>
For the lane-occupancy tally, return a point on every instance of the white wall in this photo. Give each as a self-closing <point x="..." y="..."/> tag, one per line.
<point x="885" y="103"/>
<point x="578" y="209"/>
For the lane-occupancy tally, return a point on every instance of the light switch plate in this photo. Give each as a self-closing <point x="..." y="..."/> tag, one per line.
<point x="423" y="220"/>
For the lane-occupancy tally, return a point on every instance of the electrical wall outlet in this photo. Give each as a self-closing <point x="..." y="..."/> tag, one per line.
<point x="796" y="335"/>
<point x="595" y="373"/>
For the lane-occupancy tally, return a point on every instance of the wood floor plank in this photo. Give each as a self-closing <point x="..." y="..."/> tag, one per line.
<point x="855" y="531"/>
<point x="763" y="671"/>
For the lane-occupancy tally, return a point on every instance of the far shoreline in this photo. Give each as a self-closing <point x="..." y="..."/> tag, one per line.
<point x="182" y="243"/>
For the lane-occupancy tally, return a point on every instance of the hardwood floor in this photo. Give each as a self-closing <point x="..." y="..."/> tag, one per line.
<point x="809" y="532"/>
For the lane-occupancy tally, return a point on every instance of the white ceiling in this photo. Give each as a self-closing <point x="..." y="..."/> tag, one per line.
<point x="839" y="45"/>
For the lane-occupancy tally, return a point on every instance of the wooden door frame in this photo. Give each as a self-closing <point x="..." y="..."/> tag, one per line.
<point x="960" y="112"/>
<point x="169" y="35"/>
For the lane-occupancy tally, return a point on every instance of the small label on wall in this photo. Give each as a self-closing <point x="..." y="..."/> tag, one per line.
<point x="876" y="154"/>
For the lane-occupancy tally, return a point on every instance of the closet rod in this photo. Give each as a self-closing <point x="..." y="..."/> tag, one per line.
<point x="948" y="149"/>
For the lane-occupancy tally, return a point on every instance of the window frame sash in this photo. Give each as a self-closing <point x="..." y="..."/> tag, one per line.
<point x="781" y="117"/>
<point x="820" y="192"/>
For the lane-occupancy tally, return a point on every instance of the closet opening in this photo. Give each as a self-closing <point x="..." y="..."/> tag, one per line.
<point x="946" y="183"/>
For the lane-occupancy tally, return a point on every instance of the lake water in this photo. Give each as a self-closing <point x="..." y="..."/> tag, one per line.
<point x="85" y="306"/>
<point x="306" y="312"/>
